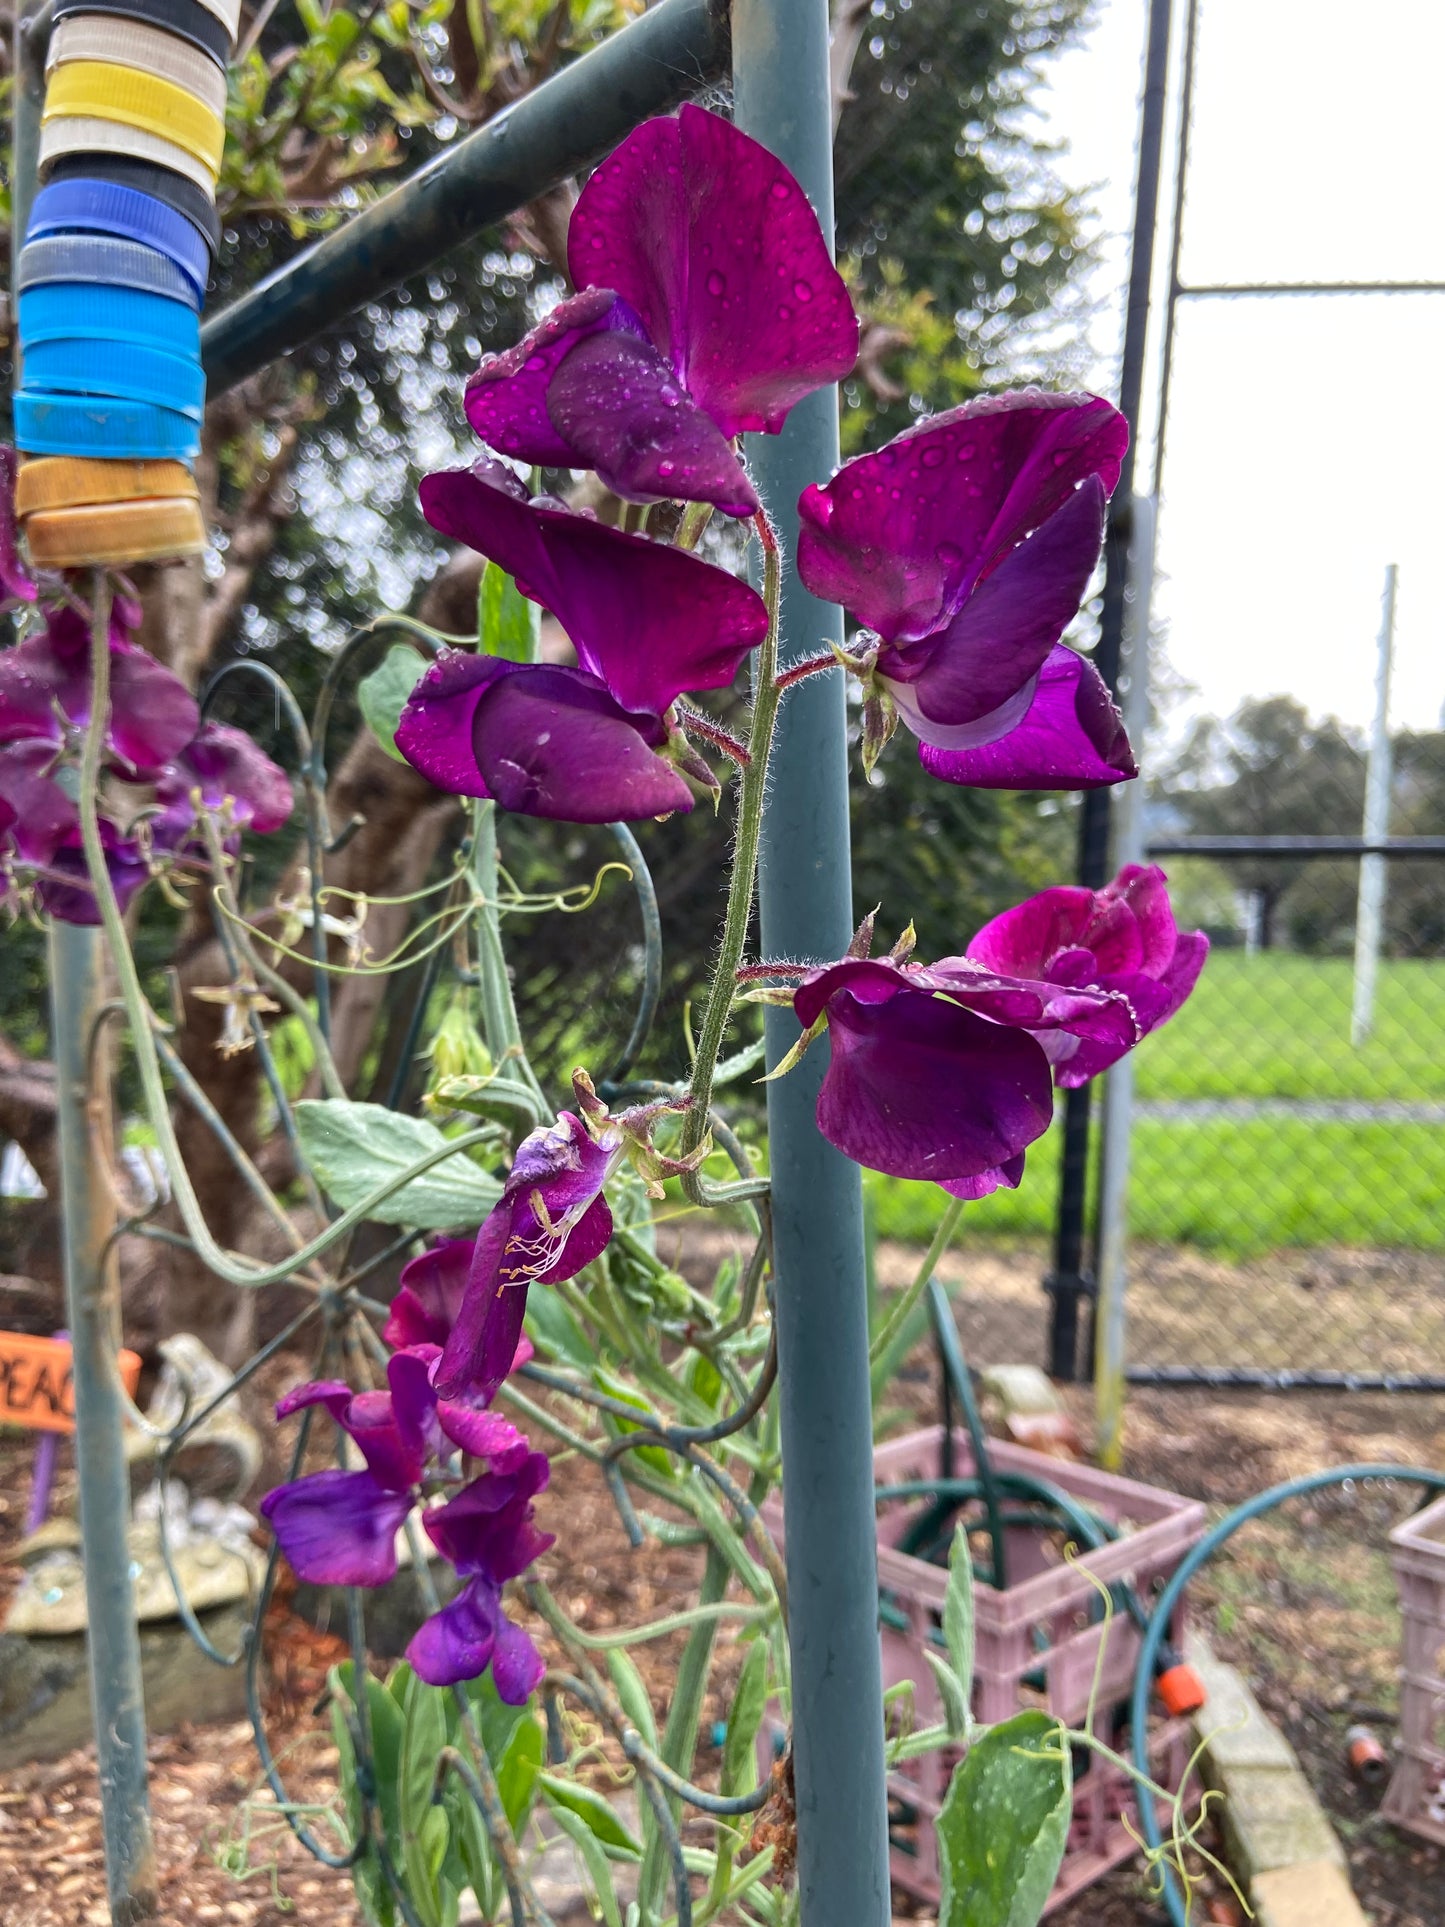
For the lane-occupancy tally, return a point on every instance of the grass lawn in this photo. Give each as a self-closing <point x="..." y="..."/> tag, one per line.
<point x="1279" y="1026"/>
<point x="1271" y="1026"/>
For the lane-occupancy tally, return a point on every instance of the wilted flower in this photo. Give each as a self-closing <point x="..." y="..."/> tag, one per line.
<point x="549" y="1222"/>
<point x="45" y="692"/>
<point x="223" y="771"/>
<point x="965" y="547"/>
<point x="708" y="306"/>
<point x="936" y="1072"/>
<point x="1122" y="938"/>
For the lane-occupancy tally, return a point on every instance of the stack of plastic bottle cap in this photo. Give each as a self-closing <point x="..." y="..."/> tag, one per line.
<point x="112" y="278"/>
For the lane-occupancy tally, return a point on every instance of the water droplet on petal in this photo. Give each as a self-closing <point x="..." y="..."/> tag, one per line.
<point x="716" y="283"/>
<point x="784" y="311"/>
<point x="933" y="456"/>
<point x="803" y="290"/>
<point x="780" y="190"/>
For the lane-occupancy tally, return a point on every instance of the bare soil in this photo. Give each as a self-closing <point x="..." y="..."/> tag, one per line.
<point x="1304" y="1604"/>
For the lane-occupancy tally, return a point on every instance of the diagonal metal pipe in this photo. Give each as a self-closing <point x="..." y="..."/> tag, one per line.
<point x="671" y="52"/>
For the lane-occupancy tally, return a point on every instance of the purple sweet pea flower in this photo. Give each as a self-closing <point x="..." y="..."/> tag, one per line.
<point x="540" y="740"/>
<point x="227" y="772"/>
<point x="966" y="546"/>
<point x="649" y="620"/>
<point x="549" y="1222"/>
<point x="1122" y="938"/>
<point x="339" y="1528"/>
<point x="935" y="1072"/>
<point x="708" y="306"/>
<point x="487" y="1533"/>
<point x="45" y="692"/>
<point x="40" y="838"/>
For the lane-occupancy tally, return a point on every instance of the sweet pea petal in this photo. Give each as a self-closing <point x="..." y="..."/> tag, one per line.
<point x="1142" y="891"/>
<point x="625" y="413"/>
<point x="1005" y="1177"/>
<point x="481" y="1344"/>
<point x="1154" y="1001"/>
<point x="1072" y="738"/>
<point x="716" y="246"/>
<point x="1004" y="999"/>
<point x="555" y="743"/>
<point x="47" y="676"/>
<point x="68" y="896"/>
<point x="333" y="1393"/>
<point x="338" y="1528"/>
<point x="456" y="1643"/>
<point x="517" y="1666"/>
<point x="587" y="1240"/>
<point x="1027" y="939"/>
<point x="482" y="1434"/>
<point x="506" y="399"/>
<point x="1001" y="637"/>
<point x="919" y="1088"/>
<point x="650" y="620"/>
<point x="435" y="731"/>
<point x="42" y="816"/>
<point x="900" y="536"/>
<point x="488" y="1527"/>
<point x="229" y="771"/>
<point x="429" y="1295"/>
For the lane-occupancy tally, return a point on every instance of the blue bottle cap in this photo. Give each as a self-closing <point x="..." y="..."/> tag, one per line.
<point x="129" y="370"/>
<point x="105" y="207"/>
<point x="95" y="260"/>
<point x="125" y="430"/>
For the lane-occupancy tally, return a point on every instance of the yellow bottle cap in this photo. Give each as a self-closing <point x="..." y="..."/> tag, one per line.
<point x="79" y="481"/>
<point x="104" y="91"/>
<point x="115" y="533"/>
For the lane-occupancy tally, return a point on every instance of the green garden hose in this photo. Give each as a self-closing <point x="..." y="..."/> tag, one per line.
<point x="1169" y="1598"/>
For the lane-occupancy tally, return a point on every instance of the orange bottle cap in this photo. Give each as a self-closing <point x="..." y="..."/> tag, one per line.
<point x="115" y="532"/>
<point x="76" y="481"/>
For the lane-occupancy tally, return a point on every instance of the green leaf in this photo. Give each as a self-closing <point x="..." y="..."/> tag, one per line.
<point x="633" y="1694"/>
<point x="372" y="1892"/>
<point x="958" y="1612"/>
<point x="424" y="1737"/>
<point x="657" y="1457"/>
<point x="1004" y="1825"/>
<point x="592" y="1808"/>
<point x="382" y="695"/>
<point x="518" y="1771"/>
<point x="556" y="1333"/>
<point x="508" y="625"/>
<point x="597" y="1867"/>
<point x="353" y="1149"/>
<point x="740" y="1752"/>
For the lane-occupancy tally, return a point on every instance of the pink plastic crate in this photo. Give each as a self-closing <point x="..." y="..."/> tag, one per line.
<point x="1415" y="1798"/>
<point x="1045" y="1629"/>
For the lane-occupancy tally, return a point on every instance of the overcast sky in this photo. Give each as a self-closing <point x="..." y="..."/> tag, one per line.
<point x="1306" y="440"/>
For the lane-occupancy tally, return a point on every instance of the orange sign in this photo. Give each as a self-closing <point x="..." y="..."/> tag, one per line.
<point x="36" y="1386"/>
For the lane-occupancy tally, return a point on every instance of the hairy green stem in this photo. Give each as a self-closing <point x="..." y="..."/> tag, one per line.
<point x="942" y="1238"/>
<point x="499" y="1012"/>
<point x="752" y="785"/>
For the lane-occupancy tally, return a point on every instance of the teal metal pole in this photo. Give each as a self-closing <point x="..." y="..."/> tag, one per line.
<point x="92" y="1287"/>
<point x="92" y="1293"/>
<point x="780" y="75"/>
